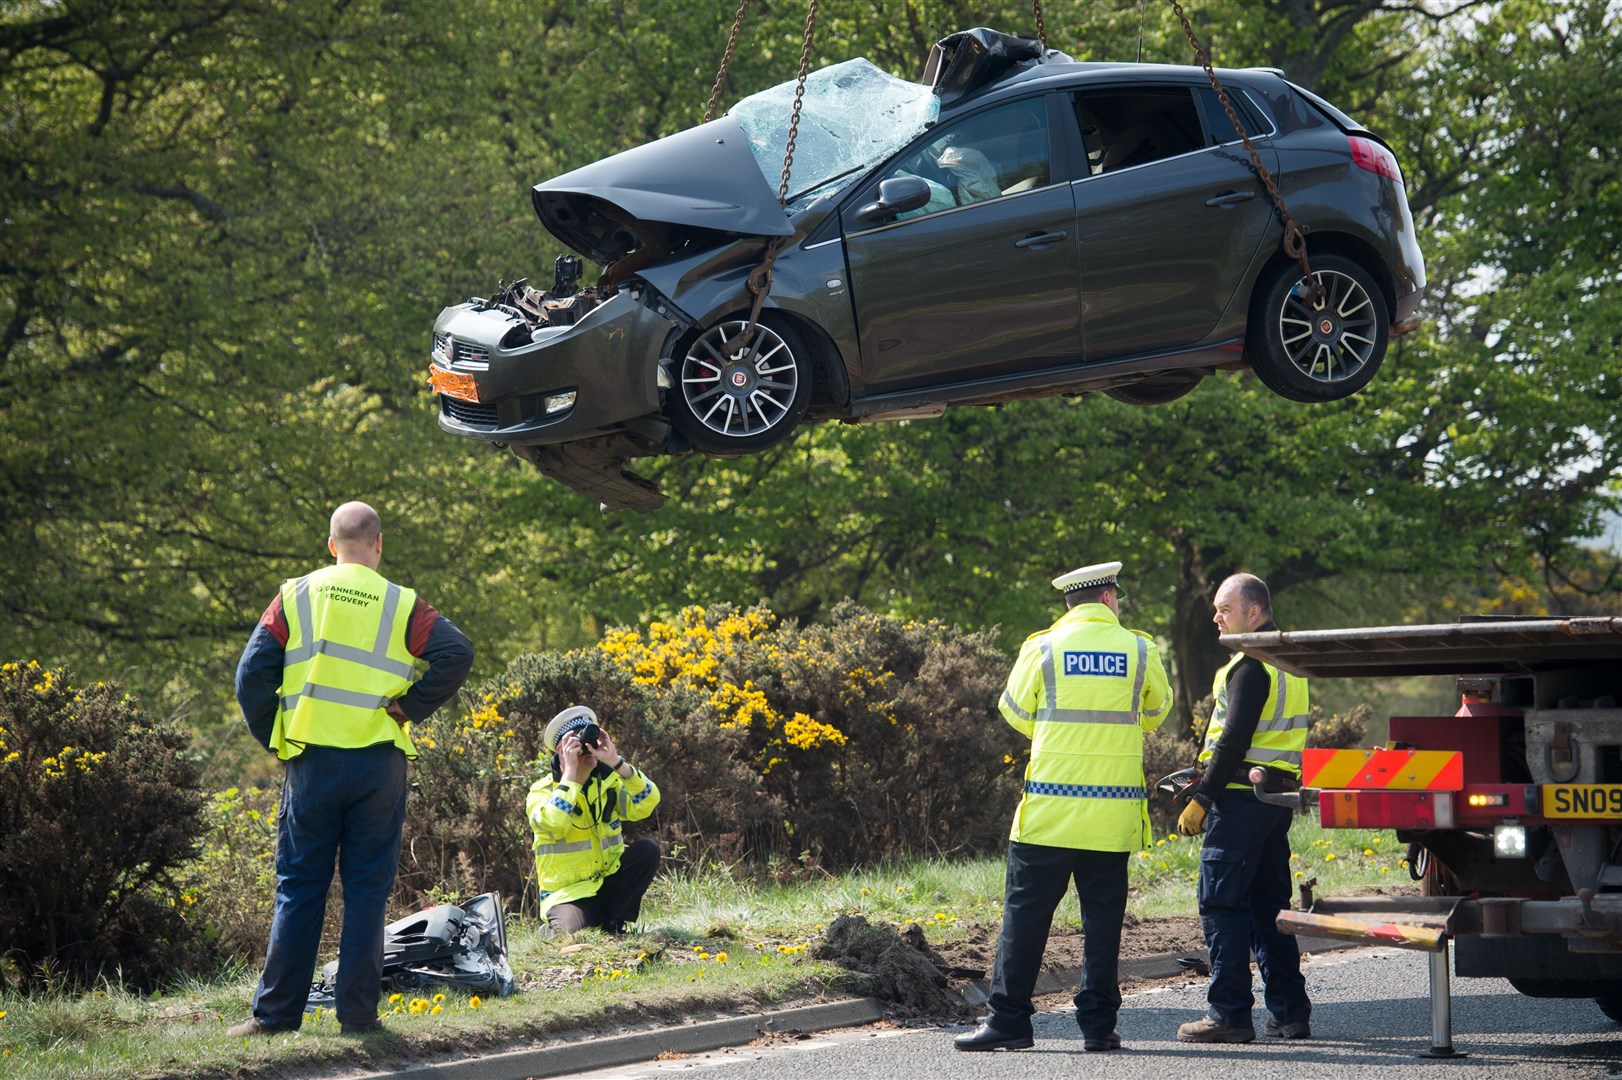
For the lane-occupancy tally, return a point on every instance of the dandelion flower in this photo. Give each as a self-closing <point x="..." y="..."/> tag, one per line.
<point x="1385" y="869"/>
<point x="395" y="999"/>
<point x="1300" y="873"/>
<point x="436" y="1010"/>
<point x="1329" y="857"/>
<point x="720" y="958"/>
<point x="475" y="1001"/>
<point x="1368" y="851"/>
<point x="439" y="999"/>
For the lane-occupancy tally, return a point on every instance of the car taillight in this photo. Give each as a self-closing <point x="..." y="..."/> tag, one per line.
<point x="1370" y="155"/>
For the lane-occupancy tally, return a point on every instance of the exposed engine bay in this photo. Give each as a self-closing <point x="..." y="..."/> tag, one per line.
<point x="565" y="304"/>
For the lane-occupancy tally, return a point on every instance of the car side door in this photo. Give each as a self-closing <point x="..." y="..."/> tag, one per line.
<point x="982" y="280"/>
<point x="1170" y="216"/>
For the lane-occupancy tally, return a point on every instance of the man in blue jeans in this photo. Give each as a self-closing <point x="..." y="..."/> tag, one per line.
<point x="1259" y="717"/>
<point x="329" y="682"/>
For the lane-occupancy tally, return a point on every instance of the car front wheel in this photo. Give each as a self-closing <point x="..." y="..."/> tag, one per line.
<point x="733" y="394"/>
<point x="1324" y="351"/>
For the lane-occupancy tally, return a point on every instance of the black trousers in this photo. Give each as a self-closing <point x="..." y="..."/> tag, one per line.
<point x="1038" y="878"/>
<point x="619" y="901"/>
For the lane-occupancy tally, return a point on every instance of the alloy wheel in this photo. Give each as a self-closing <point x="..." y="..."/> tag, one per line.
<point x="1331" y="341"/>
<point x="738" y="388"/>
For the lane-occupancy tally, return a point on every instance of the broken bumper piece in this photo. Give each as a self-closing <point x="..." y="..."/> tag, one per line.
<point x="596" y="468"/>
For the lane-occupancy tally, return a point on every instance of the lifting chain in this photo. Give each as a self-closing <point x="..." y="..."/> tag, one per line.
<point x="799" y="99"/>
<point x="1041" y="26"/>
<point x="726" y="62"/>
<point x="760" y="278"/>
<point x="1295" y="245"/>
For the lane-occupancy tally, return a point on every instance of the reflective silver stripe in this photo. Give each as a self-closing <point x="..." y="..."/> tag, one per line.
<point x="385" y="627"/>
<point x="1261" y="756"/>
<point x="1050" y="680"/>
<point x="1089" y="716"/>
<point x="1283" y="692"/>
<point x="301" y="607"/>
<point x="323" y="647"/>
<point x="377" y="659"/>
<point x="336" y="697"/>
<point x="1137" y="684"/>
<point x="1293" y="723"/>
<point x="612" y="840"/>
<point x="1013" y="706"/>
<point x="562" y="849"/>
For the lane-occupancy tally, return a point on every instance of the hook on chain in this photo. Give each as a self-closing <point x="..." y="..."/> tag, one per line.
<point x="1294" y="243"/>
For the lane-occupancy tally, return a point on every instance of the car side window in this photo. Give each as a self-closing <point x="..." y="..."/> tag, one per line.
<point x="1216" y="117"/>
<point x="1001" y="151"/>
<point x="1127" y="127"/>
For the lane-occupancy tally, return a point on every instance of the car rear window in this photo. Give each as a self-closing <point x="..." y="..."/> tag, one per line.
<point x="1132" y="126"/>
<point x="1216" y="117"/>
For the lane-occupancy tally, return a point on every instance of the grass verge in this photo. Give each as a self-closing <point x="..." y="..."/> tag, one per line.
<point x="713" y="945"/>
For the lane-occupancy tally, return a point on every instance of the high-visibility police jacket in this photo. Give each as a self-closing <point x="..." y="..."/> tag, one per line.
<point x="578" y="830"/>
<point x="1281" y="730"/>
<point x="1084" y="691"/>
<point x="345" y="659"/>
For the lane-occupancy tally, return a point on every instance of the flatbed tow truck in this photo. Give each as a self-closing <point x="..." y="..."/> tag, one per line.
<point x="1511" y="807"/>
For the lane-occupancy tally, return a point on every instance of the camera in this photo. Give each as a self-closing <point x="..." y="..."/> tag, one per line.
<point x="589" y="736"/>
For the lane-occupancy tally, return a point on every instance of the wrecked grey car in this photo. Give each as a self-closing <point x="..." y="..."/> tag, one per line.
<point x="1017" y="224"/>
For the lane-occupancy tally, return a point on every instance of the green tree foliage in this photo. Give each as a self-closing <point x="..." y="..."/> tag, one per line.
<point x="99" y="804"/>
<point x="228" y="225"/>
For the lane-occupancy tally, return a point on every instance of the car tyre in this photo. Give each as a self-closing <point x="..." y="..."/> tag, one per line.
<point x="1165" y="387"/>
<point x="1610" y="1005"/>
<point x="733" y="396"/>
<point x="1318" y="353"/>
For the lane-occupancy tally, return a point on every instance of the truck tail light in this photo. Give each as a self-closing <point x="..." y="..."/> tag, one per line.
<point x="1370" y="155"/>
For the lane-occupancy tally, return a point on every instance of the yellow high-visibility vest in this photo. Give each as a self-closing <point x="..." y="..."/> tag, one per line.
<point x="345" y="659"/>
<point x="578" y="831"/>
<point x="1084" y="691"/>
<point x="1281" y="733"/>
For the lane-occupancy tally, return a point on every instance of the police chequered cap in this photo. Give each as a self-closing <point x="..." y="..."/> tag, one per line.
<point x="573" y="718"/>
<point x="1087" y="577"/>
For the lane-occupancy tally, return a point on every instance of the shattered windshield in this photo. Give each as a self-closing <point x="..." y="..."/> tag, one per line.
<point x="852" y="116"/>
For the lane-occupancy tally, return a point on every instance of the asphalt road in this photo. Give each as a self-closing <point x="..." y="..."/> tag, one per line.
<point x="1371" y="1017"/>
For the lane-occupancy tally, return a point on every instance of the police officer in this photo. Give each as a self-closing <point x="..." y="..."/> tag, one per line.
<point x="586" y="873"/>
<point x="1083" y="691"/>
<point x="329" y="682"/>
<point x="1259" y="716"/>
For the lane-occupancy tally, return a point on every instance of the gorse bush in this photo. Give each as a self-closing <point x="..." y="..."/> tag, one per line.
<point x="99" y="803"/>
<point x="864" y="739"/>
<point x="465" y="827"/>
<point x="228" y="891"/>
<point x="773" y="745"/>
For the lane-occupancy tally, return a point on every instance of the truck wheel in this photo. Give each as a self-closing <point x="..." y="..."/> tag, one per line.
<point x="1610" y="1005"/>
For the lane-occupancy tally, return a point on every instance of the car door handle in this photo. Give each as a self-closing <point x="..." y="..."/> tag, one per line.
<point x="1228" y="198"/>
<point x="1037" y="239"/>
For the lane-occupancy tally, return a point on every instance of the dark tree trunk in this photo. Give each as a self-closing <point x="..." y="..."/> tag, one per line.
<point x="1195" y="652"/>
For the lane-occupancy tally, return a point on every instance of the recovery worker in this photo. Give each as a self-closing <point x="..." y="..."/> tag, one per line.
<point x="1259" y="716"/>
<point x="1084" y="691"/>
<point x="328" y="681"/>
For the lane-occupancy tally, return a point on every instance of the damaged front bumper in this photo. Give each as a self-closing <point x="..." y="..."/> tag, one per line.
<point x="571" y="386"/>
<point x="502" y="378"/>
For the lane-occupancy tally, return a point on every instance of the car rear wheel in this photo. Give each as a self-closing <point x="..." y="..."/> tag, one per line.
<point x="1324" y="351"/>
<point x="737" y="395"/>
<point x="1158" y="390"/>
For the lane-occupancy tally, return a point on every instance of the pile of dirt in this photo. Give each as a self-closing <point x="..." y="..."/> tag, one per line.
<point x="897" y="967"/>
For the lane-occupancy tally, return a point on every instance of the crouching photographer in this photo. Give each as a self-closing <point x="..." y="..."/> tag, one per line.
<point x="586" y="873"/>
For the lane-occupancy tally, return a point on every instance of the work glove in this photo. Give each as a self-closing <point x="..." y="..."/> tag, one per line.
<point x="1191" y="822"/>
